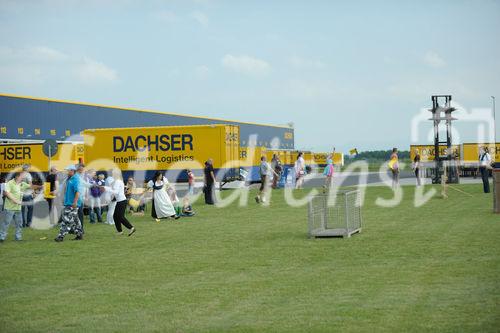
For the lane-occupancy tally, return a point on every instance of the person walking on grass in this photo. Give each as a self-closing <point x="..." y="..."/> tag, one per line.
<point x="118" y="191"/>
<point x="300" y="171"/>
<point x="265" y="171"/>
<point x="328" y="173"/>
<point x="12" y="206"/>
<point x="394" y="166"/>
<point x="278" y="168"/>
<point x="162" y="206"/>
<point x="70" y="221"/>
<point x="208" y="189"/>
<point x="416" y="166"/>
<point x="109" y="199"/>
<point x="484" y="168"/>
<point x="84" y="186"/>
<point x="27" y="206"/>
<point x="95" y="197"/>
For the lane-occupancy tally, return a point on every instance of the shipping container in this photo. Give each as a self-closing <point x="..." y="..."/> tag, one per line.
<point x="14" y="155"/>
<point x="320" y="159"/>
<point x="427" y="152"/>
<point x="250" y="159"/>
<point x="470" y="152"/>
<point x="29" y="118"/>
<point x="467" y="153"/>
<point x="142" y="151"/>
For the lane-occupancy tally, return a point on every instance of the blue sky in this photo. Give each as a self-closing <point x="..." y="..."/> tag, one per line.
<point x="347" y="74"/>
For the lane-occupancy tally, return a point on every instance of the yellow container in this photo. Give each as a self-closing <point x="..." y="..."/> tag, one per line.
<point x="427" y="152"/>
<point x="321" y="158"/>
<point x="162" y="148"/>
<point x="470" y="152"/>
<point x="13" y="156"/>
<point x="250" y="156"/>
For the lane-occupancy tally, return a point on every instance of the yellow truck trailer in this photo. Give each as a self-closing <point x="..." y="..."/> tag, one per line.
<point x="169" y="148"/>
<point x="14" y="155"/>
<point x="320" y="158"/>
<point x="427" y="152"/>
<point x="470" y="152"/>
<point x="467" y="155"/>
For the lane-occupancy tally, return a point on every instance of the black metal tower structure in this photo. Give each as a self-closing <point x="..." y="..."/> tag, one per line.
<point x="443" y="163"/>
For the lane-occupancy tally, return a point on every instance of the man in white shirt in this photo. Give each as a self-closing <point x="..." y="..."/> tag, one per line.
<point x="484" y="167"/>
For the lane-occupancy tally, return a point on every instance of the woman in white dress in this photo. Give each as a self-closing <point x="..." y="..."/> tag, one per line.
<point x="162" y="206"/>
<point x="300" y="166"/>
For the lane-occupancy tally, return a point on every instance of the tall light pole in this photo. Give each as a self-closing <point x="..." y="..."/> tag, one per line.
<point x="494" y="121"/>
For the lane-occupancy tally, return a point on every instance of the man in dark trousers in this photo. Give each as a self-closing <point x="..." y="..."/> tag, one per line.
<point x="209" y="182"/>
<point x="84" y="185"/>
<point x="70" y="222"/>
<point x="484" y="168"/>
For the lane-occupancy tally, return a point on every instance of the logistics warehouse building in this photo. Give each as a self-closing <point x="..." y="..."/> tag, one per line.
<point x="29" y="118"/>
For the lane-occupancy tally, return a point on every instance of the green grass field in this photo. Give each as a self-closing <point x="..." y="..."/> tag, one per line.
<point x="252" y="269"/>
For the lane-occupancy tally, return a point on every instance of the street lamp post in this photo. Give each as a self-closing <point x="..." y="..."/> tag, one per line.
<point x="494" y="120"/>
<point x="496" y="168"/>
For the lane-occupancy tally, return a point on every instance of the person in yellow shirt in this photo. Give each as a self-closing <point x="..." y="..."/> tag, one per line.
<point x="394" y="166"/>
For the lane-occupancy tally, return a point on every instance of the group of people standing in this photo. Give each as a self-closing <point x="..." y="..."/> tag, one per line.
<point x="274" y="171"/>
<point x="73" y="194"/>
<point x="72" y="191"/>
<point x="68" y="194"/>
<point x="484" y="167"/>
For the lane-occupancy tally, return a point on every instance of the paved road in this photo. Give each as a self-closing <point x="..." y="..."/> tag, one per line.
<point x="354" y="179"/>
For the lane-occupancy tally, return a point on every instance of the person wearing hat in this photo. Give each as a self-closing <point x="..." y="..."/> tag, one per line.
<point x="84" y="185"/>
<point x="70" y="222"/>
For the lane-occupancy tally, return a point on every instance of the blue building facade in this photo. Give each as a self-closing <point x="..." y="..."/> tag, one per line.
<point x="29" y="118"/>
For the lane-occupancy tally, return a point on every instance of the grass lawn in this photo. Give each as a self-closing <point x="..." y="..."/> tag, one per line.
<point x="252" y="269"/>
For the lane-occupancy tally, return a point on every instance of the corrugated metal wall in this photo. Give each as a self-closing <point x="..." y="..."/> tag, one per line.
<point x="38" y="119"/>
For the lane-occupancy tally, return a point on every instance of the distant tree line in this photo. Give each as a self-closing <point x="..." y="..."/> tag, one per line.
<point x="379" y="155"/>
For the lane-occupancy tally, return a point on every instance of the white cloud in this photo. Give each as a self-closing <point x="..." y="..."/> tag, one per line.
<point x="89" y="71"/>
<point x="31" y="54"/>
<point x="48" y="54"/>
<point x="44" y="65"/>
<point x="301" y="63"/>
<point x="200" y="17"/>
<point x="433" y="59"/>
<point x="202" y="72"/>
<point x="246" y="65"/>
